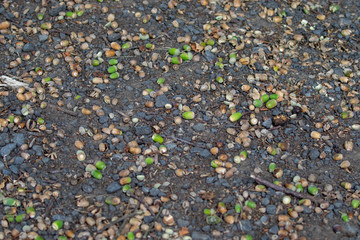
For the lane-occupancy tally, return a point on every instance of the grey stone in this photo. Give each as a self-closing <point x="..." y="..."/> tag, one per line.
<point x="113" y="187"/>
<point x="245" y="226"/>
<point x="28" y="47"/>
<point x="113" y="37"/>
<point x="314" y="154"/>
<point x="148" y="219"/>
<point x="7" y="149"/>
<point x="161" y="100"/>
<point x="18" y="160"/>
<point x="199" y="127"/>
<point x="182" y="223"/>
<point x="154" y="192"/>
<point x="87" y="188"/>
<point x="265" y="201"/>
<point x="2" y="165"/>
<point x="274" y="229"/>
<point x="350" y="230"/>
<point x="267" y="123"/>
<point x="43" y="37"/>
<point x="202" y="152"/>
<point x="38" y="150"/>
<point x="142" y="129"/>
<point x="14" y="169"/>
<point x="116" y="157"/>
<point x="55" y="11"/>
<point x="344" y="22"/>
<point x="264" y="220"/>
<point x="209" y="56"/>
<point x="271" y="209"/>
<point x="18" y="139"/>
<point x="199" y="236"/>
<point x="171" y="146"/>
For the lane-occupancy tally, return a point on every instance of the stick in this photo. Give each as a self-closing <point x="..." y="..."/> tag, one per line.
<point x="11" y="82"/>
<point x="147" y="206"/>
<point x="119" y="220"/>
<point x="71" y="113"/>
<point x="285" y="190"/>
<point x="153" y="223"/>
<point x="182" y="140"/>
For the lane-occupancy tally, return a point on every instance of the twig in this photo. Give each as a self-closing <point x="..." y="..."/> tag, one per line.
<point x="182" y="140"/>
<point x="285" y="190"/>
<point x="147" y="206"/>
<point x="126" y="216"/>
<point x="153" y="223"/>
<point x="63" y="110"/>
<point x="11" y="82"/>
<point x="106" y="41"/>
<point x="49" y="207"/>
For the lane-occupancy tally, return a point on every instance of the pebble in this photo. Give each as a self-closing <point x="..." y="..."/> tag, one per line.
<point x="314" y="154"/>
<point x="56" y="10"/>
<point x="7" y="149"/>
<point x="271" y="209"/>
<point x="142" y="129"/>
<point x="245" y="226"/>
<point x="113" y="187"/>
<point x="350" y="230"/>
<point x="202" y="152"/>
<point x="113" y="37"/>
<point x="43" y="37"/>
<point x="38" y="150"/>
<point x="274" y="229"/>
<point x="87" y="188"/>
<point x="199" y="127"/>
<point x="199" y="236"/>
<point x="28" y="47"/>
<point x="18" y="139"/>
<point x="182" y="223"/>
<point x="161" y="101"/>
<point x="267" y="123"/>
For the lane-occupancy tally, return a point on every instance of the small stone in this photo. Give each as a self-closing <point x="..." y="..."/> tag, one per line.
<point x="245" y="226"/>
<point x="142" y="129"/>
<point x="87" y="188"/>
<point x="43" y="37"/>
<point x="113" y="37"/>
<point x="267" y="123"/>
<point x="161" y="101"/>
<point x="199" y="127"/>
<point x="18" y="139"/>
<point x="28" y="47"/>
<point x="113" y="187"/>
<point x="271" y="209"/>
<point x="199" y="236"/>
<point x="56" y="10"/>
<point x="274" y="229"/>
<point x="7" y="149"/>
<point x="314" y="154"/>
<point x="38" y="150"/>
<point x="182" y="223"/>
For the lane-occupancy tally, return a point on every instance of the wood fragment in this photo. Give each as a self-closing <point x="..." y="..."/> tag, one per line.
<point x="71" y="113"/>
<point x="12" y="83"/>
<point x="285" y="190"/>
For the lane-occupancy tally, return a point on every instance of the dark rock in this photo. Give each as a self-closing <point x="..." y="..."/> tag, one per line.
<point x="245" y="226"/>
<point x="161" y="100"/>
<point x="43" y="37"/>
<point x="274" y="229"/>
<point x="199" y="236"/>
<point x="56" y="10"/>
<point x="113" y="37"/>
<point x="18" y="139"/>
<point x="271" y="209"/>
<point x="7" y="149"/>
<point x="314" y="154"/>
<point x="267" y="123"/>
<point x="38" y="150"/>
<point x="113" y="187"/>
<point x="142" y="129"/>
<point x="199" y="127"/>
<point x="182" y="223"/>
<point x="87" y="188"/>
<point x="350" y="230"/>
<point x="28" y="47"/>
<point x="18" y="160"/>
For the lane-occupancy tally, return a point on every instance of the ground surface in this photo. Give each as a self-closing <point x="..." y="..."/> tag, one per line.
<point x="306" y="52"/>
